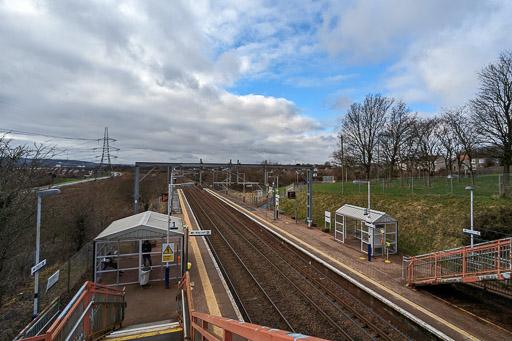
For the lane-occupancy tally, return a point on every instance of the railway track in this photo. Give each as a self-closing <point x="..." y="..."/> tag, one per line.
<point x="286" y="290"/>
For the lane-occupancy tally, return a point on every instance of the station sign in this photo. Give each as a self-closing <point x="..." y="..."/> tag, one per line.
<point x="476" y="233"/>
<point x="37" y="267"/>
<point x="52" y="280"/>
<point x="327" y="217"/>
<point x="168" y="252"/>
<point x="196" y="233"/>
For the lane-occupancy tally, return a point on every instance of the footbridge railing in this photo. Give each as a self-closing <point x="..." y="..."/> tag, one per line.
<point x="482" y="262"/>
<point x="199" y="326"/>
<point x="94" y="311"/>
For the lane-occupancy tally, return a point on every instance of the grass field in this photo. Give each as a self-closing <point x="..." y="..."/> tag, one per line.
<point x="485" y="185"/>
<point x="65" y="180"/>
<point x="431" y="219"/>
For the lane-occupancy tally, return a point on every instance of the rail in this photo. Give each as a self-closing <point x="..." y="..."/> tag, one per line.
<point x="41" y="323"/>
<point x="199" y="326"/>
<point x="482" y="262"/>
<point x="93" y="312"/>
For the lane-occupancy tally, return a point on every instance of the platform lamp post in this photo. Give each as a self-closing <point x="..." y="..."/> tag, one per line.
<point x="368" y="217"/>
<point x="469" y="188"/>
<point x="39" y="194"/>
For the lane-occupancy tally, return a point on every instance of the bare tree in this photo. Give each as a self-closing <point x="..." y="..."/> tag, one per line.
<point x="428" y="144"/>
<point x="362" y="125"/>
<point x="465" y="133"/>
<point x="396" y="132"/>
<point x="492" y="110"/>
<point x="21" y="169"/>
<point x="448" y="143"/>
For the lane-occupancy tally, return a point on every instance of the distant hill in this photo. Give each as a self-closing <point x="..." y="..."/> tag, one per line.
<point x="71" y="163"/>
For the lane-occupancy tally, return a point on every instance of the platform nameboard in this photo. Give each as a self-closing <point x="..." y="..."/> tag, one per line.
<point x="168" y="252"/>
<point x="476" y="233"/>
<point x="37" y="267"/>
<point x="52" y="280"/>
<point x="200" y="233"/>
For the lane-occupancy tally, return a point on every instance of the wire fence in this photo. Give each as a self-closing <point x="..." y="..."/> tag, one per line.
<point x="70" y="273"/>
<point x="488" y="185"/>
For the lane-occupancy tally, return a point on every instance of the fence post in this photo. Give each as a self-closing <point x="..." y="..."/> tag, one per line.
<point x="87" y="256"/>
<point x="69" y="272"/>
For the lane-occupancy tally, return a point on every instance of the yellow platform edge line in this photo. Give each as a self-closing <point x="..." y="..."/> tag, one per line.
<point x="148" y="334"/>
<point x="211" y="300"/>
<point x="388" y="290"/>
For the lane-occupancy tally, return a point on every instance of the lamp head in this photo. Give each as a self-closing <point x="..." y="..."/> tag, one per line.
<point x="360" y="182"/>
<point x="469" y="188"/>
<point x="48" y="192"/>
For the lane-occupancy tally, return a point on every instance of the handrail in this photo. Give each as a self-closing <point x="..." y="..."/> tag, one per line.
<point x="484" y="261"/>
<point x="39" y="324"/>
<point x="228" y="326"/>
<point x="78" y="318"/>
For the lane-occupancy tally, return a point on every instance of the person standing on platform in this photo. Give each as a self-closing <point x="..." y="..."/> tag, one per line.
<point x="146" y="249"/>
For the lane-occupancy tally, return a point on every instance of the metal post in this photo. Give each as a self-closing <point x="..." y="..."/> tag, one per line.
<point x="136" y="191"/>
<point x="342" y="164"/>
<point x="471" y="217"/>
<point x="274" y="198"/>
<point x="266" y="175"/>
<point x="36" y="284"/>
<point x="295" y="207"/>
<point x="471" y="194"/>
<point x="369" y="209"/>
<point x="310" y="198"/>
<point x="169" y="210"/>
<point x="201" y="172"/>
<point x="451" y="184"/>
<point x="185" y="261"/>
<point x="38" y="238"/>
<point x="277" y="199"/>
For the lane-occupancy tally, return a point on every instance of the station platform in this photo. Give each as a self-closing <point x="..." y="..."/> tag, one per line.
<point x="383" y="279"/>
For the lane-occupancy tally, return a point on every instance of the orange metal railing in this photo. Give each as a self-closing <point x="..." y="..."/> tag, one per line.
<point x="199" y="326"/>
<point x="94" y="311"/>
<point x="484" y="261"/>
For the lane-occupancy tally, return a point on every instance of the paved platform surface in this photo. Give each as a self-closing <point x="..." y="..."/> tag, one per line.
<point x="383" y="278"/>
<point x="211" y="296"/>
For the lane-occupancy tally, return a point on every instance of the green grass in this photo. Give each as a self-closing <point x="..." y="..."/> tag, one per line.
<point x="58" y="181"/>
<point x="485" y="185"/>
<point x="431" y="219"/>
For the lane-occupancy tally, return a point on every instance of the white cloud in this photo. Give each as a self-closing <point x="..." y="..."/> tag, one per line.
<point x="155" y="75"/>
<point x="435" y="47"/>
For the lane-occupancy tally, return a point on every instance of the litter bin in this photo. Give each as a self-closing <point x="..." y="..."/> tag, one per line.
<point x="144" y="275"/>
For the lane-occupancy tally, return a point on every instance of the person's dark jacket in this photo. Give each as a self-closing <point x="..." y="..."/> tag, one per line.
<point x="146" y="247"/>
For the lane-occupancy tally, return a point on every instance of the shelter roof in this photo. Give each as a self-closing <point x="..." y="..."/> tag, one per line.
<point x="143" y="225"/>
<point x="356" y="212"/>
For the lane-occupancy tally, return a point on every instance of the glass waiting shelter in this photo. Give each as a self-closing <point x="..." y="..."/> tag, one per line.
<point x="377" y="229"/>
<point x="121" y="251"/>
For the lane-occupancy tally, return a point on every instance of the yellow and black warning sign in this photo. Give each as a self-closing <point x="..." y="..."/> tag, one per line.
<point x="168" y="252"/>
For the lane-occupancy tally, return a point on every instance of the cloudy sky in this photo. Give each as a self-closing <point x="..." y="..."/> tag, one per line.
<point x="242" y="80"/>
